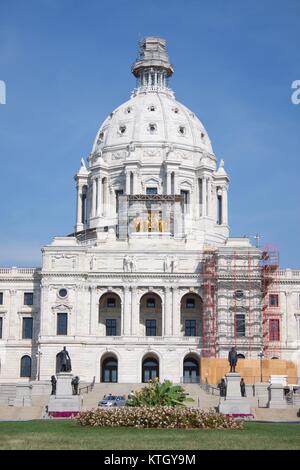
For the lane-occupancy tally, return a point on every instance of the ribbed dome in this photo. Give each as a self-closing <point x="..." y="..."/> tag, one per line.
<point x="152" y="118"/>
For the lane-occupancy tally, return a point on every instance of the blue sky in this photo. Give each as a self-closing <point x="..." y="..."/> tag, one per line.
<point x="66" y="65"/>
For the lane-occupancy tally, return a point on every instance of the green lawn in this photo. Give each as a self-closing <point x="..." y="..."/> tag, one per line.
<point x="68" y="434"/>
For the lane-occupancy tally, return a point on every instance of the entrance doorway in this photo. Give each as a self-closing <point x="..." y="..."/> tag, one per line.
<point x="190" y="370"/>
<point x="109" y="370"/>
<point x="150" y="369"/>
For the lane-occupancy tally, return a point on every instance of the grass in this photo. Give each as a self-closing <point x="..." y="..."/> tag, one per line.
<point x="67" y="434"/>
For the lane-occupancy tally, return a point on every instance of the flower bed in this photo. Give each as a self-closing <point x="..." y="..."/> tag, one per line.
<point x="157" y="417"/>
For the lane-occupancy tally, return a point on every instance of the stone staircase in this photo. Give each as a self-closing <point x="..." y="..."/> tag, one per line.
<point x="90" y="400"/>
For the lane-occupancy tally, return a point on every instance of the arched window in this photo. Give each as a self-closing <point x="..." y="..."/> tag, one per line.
<point x="109" y="370"/>
<point x="241" y="356"/>
<point x="25" y="366"/>
<point x="150" y="369"/>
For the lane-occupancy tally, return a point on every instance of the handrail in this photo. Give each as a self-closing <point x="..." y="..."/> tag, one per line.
<point x="208" y="388"/>
<point x="87" y="388"/>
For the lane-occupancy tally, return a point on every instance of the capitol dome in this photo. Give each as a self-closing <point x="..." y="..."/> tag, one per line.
<point x="152" y="115"/>
<point x="149" y="118"/>
<point x="152" y="171"/>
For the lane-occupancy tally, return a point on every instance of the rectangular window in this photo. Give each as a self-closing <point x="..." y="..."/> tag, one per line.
<point x="1" y="326"/>
<point x="190" y="328"/>
<point x="151" y="190"/>
<point x="274" y="329"/>
<point x="190" y="303"/>
<point x="62" y="324"/>
<point x="27" y="328"/>
<point x="150" y="327"/>
<point x="273" y="300"/>
<point x="186" y="198"/>
<point x="240" y="326"/>
<point x="299" y="300"/>
<point x="28" y="298"/>
<point x="111" y="302"/>
<point x="1" y="298"/>
<point x="119" y="192"/>
<point x="151" y="303"/>
<point x="111" y="327"/>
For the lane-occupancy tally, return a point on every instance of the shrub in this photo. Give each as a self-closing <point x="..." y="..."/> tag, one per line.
<point x="157" y="417"/>
<point x="162" y="394"/>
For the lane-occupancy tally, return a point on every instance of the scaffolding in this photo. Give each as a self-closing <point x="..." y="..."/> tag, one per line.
<point x="270" y="302"/>
<point x="209" y="326"/>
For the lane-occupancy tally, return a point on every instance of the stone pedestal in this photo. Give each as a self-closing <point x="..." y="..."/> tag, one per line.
<point x="23" y="395"/>
<point x="262" y="394"/>
<point x="64" y="402"/>
<point x="276" y="396"/>
<point x="234" y="403"/>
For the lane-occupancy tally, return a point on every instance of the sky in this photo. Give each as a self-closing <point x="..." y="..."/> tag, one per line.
<point x="66" y="65"/>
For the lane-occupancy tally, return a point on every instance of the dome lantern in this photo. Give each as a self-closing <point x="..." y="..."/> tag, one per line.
<point x="152" y="67"/>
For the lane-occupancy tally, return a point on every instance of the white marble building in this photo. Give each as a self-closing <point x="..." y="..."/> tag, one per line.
<point x="150" y="279"/>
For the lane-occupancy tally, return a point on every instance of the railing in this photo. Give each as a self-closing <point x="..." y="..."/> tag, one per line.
<point x="87" y="388"/>
<point x="210" y="389"/>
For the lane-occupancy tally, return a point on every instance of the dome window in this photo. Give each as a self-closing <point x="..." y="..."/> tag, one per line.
<point x="152" y="107"/>
<point x="176" y="110"/>
<point x="181" y="130"/>
<point x="128" y="110"/>
<point x="62" y="293"/>
<point x="239" y="294"/>
<point x="101" y="136"/>
<point x="122" y="130"/>
<point x="202" y="135"/>
<point x="152" y="128"/>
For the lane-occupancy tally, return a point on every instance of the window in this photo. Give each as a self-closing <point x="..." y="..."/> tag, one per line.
<point x="62" y="324"/>
<point x="239" y="294"/>
<point x="152" y="128"/>
<point x="273" y="300"/>
<point x="151" y="190"/>
<point x="151" y="303"/>
<point x="27" y="328"/>
<point x="190" y="328"/>
<point x="111" y="327"/>
<point x="111" y="302"/>
<point x="62" y="293"/>
<point x="185" y="195"/>
<point x="122" y="130"/>
<point x="1" y="326"/>
<point x="118" y="193"/>
<point x="150" y="327"/>
<point x="151" y="108"/>
<point x="274" y="329"/>
<point x="181" y="130"/>
<point x="1" y="298"/>
<point x="219" y="215"/>
<point x="190" y="303"/>
<point x="299" y="300"/>
<point x="28" y="298"/>
<point x="25" y="367"/>
<point x="240" y="326"/>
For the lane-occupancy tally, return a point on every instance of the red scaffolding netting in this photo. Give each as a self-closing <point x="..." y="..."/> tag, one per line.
<point x="270" y="301"/>
<point x="209" y="326"/>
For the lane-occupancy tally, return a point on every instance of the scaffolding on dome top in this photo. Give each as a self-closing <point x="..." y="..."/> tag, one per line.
<point x="270" y="301"/>
<point x="209" y="326"/>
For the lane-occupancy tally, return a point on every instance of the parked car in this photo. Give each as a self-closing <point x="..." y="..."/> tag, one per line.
<point x="112" y="400"/>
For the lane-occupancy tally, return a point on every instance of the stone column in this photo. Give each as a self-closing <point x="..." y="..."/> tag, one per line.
<point x="79" y="208"/>
<point x="135" y="313"/>
<point x="99" y="192"/>
<point x="224" y="206"/>
<point x="209" y="197"/>
<point x="94" y="311"/>
<point x="127" y="190"/>
<point x="168" y="189"/>
<point x="126" y="312"/>
<point x="175" y="182"/>
<point x="204" y="197"/>
<point x="94" y="197"/>
<point x="168" y="312"/>
<point x="176" y="312"/>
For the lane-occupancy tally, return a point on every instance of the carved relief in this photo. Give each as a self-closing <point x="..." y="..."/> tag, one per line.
<point x="63" y="261"/>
